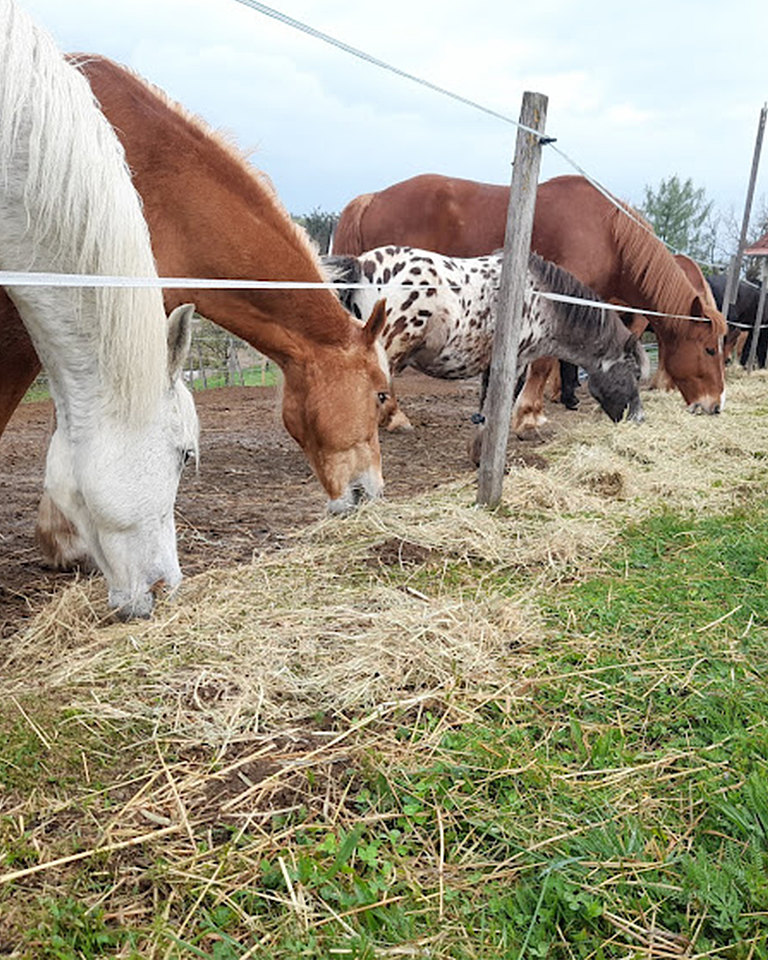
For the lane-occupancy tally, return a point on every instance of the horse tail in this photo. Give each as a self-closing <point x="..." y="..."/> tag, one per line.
<point x="348" y="237"/>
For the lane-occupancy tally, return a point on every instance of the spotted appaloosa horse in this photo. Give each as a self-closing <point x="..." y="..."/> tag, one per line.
<point x="575" y="226"/>
<point x="441" y="315"/>
<point x="126" y="424"/>
<point x="211" y="214"/>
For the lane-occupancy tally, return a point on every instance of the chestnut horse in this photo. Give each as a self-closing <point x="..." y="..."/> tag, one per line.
<point x="580" y="229"/>
<point x="212" y="215"/>
<point x="662" y="379"/>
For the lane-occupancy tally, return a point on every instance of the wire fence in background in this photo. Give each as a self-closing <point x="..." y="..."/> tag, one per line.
<point x="216" y="359"/>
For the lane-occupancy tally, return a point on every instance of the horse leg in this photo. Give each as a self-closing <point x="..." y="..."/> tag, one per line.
<point x="554" y="386"/>
<point x="527" y="414"/>
<point x="58" y="541"/>
<point x="661" y="380"/>
<point x="19" y="364"/>
<point x="569" y="380"/>
<point x="730" y="344"/>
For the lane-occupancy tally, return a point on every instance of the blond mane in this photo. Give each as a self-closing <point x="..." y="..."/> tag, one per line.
<point x="83" y="213"/>
<point x="659" y="277"/>
<point x="226" y="143"/>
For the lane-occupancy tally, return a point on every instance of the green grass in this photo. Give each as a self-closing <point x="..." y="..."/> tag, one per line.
<point x="615" y="804"/>
<point x="251" y="377"/>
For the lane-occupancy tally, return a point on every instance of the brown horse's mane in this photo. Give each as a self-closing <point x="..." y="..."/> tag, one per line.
<point x="658" y="276"/>
<point x="226" y="144"/>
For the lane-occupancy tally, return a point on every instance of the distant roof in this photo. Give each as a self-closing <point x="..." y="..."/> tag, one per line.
<point x="759" y="248"/>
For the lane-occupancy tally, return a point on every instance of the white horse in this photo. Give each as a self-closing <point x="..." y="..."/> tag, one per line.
<point x="125" y="422"/>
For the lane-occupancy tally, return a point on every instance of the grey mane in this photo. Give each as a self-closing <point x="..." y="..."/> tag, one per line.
<point x="551" y="278"/>
<point x="341" y="269"/>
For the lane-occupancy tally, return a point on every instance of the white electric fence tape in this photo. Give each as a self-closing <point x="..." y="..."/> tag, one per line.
<point x="12" y="279"/>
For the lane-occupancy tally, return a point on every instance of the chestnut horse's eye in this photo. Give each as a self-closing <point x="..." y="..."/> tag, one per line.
<point x="383" y="397"/>
<point x="711" y="351"/>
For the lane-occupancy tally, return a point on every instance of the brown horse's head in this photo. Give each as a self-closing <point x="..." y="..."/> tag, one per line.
<point x="332" y="408"/>
<point x="696" y="362"/>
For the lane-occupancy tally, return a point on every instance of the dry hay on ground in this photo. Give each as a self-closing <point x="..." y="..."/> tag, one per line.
<point x="370" y="610"/>
<point x="249" y="709"/>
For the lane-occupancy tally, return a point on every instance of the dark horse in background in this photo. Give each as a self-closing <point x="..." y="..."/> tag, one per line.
<point x="599" y="240"/>
<point x="742" y="314"/>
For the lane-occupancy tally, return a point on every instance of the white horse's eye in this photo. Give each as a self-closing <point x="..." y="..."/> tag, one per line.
<point x="186" y="456"/>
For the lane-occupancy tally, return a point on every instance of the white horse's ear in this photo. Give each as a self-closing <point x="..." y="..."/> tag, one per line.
<point x="179" y="338"/>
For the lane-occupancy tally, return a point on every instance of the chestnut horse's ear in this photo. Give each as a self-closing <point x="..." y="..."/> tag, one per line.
<point x="697" y="307"/>
<point x="376" y="321"/>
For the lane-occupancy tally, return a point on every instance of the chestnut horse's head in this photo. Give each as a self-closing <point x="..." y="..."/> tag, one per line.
<point x="696" y="362"/>
<point x="332" y="406"/>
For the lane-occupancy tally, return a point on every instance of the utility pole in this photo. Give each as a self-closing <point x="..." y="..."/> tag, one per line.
<point x="734" y="270"/>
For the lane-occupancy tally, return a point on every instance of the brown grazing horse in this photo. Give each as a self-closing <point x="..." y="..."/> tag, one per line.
<point x="212" y="215"/>
<point x="580" y="229"/>
<point x="661" y="379"/>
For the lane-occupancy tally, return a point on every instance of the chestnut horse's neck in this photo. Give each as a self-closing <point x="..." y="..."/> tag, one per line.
<point x="211" y="215"/>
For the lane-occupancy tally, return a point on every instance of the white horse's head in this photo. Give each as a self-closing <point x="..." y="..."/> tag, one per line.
<point x="117" y="485"/>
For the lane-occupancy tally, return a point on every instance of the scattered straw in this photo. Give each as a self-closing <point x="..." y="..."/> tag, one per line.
<point x="356" y="612"/>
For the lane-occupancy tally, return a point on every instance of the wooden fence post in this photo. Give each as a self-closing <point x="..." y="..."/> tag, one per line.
<point x="734" y="268"/>
<point x="506" y="338"/>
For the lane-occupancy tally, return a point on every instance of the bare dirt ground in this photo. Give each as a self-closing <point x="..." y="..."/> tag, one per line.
<point x="253" y="487"/>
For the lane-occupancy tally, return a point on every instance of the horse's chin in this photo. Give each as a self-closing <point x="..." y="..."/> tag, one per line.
<point x="128" y="606"/>
<point x="131" y="607"/>
<point x="706" y="406"/>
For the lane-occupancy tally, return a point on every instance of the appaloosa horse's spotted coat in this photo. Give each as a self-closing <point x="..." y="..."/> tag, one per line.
<point x="441" y="314"/>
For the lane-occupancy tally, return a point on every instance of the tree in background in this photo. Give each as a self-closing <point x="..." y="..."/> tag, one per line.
<point x="320" y="226"/>
<point x="682" y="217"/>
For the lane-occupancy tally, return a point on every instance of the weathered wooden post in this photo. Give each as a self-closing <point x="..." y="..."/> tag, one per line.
<point x="734" y="268"/>
<point x="506" y="339"/>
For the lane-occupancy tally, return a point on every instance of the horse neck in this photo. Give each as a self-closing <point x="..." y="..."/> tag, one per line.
<point x="288" y="326"/>
<point x="68" y="354"/>
<point x="211" y="215"/>
<point x="570" y="333"/>
<point x="285" y="325"/>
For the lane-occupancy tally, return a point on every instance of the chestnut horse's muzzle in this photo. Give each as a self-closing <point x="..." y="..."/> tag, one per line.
<point x="368" y="486"/>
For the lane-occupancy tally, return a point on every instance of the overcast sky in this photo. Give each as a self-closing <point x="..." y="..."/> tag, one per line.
<point x="637" y="91"/>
